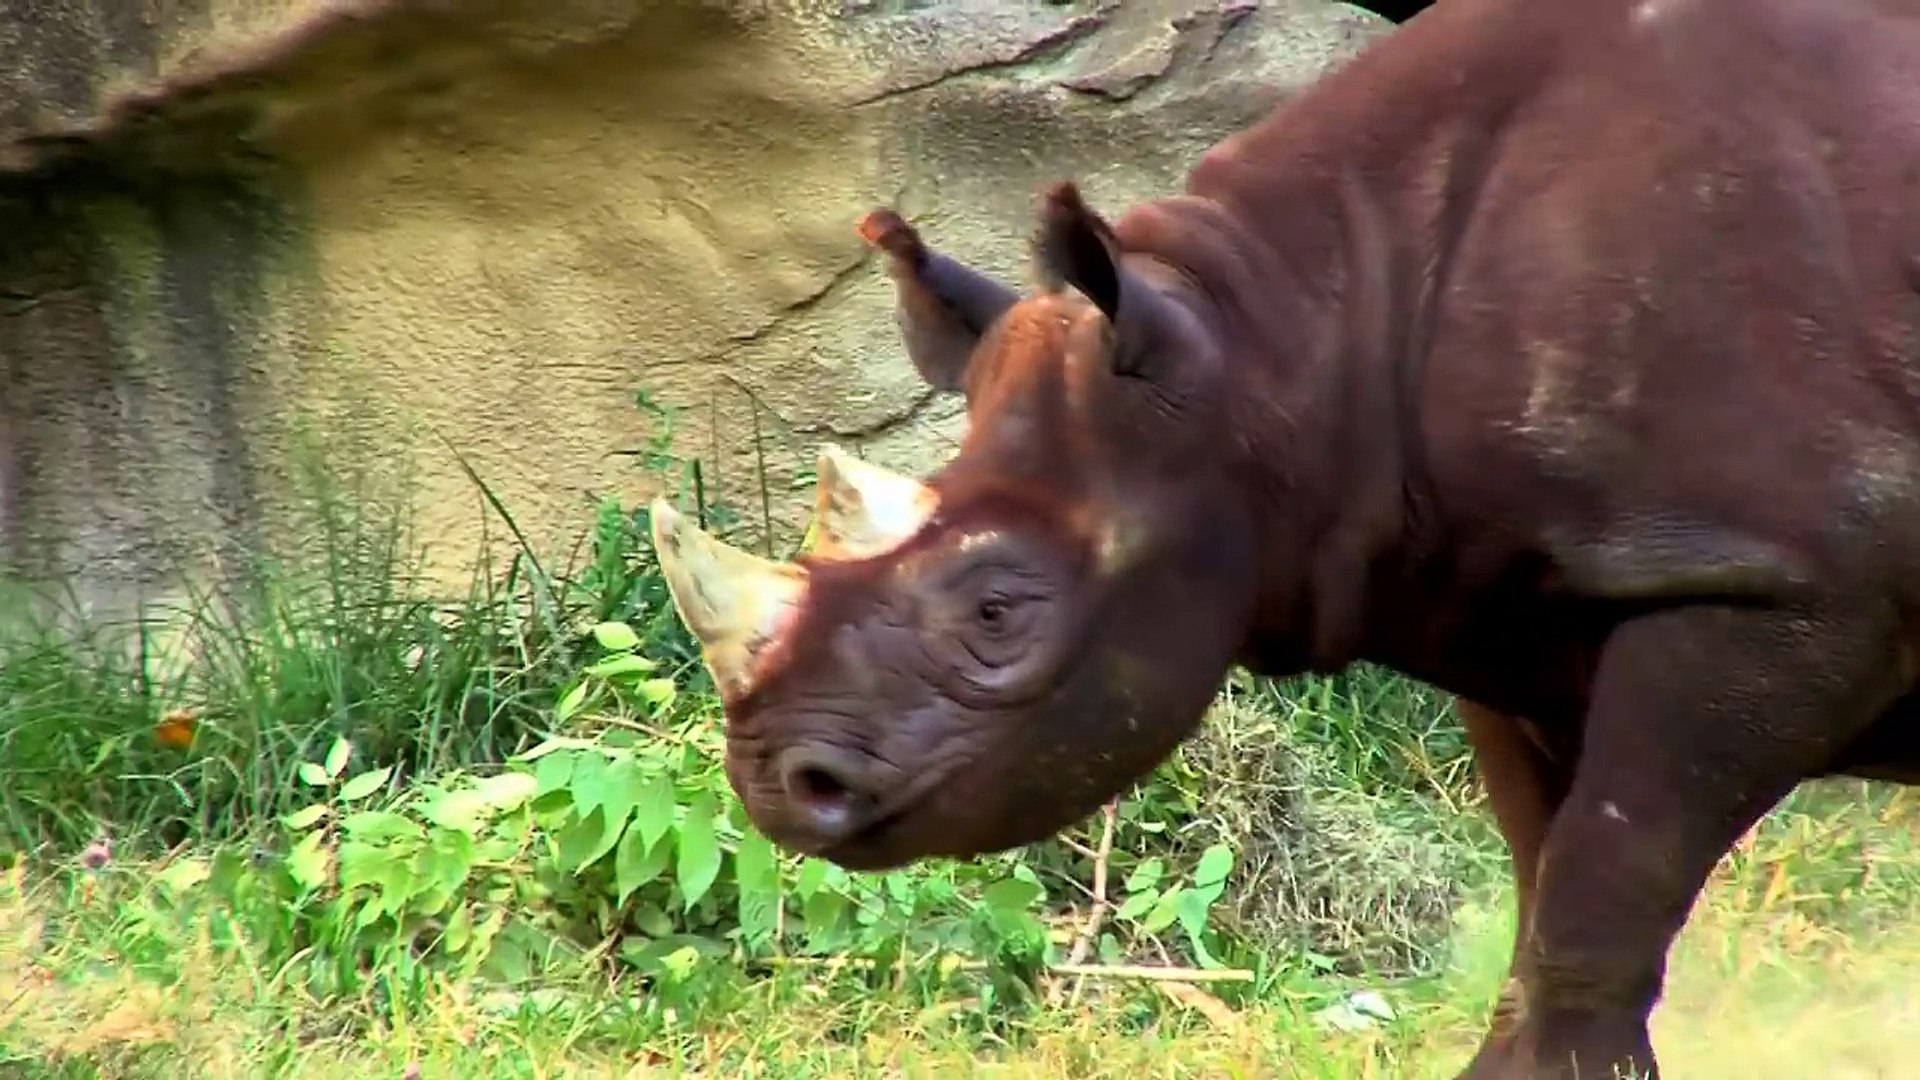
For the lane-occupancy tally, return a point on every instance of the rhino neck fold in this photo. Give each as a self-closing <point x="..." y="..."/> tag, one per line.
<point x="1325" y="321"/>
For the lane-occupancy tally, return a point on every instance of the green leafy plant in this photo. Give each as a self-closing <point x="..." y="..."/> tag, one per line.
<point x="438" y="874"/>
<point x="1156" y="900"/>
<point x="659" y="853"/>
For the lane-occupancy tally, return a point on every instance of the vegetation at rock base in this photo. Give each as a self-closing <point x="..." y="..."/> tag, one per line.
<point x="335" y="822"/>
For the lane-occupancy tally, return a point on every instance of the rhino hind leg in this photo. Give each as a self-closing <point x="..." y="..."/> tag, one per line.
<point x="1700" y="721"/>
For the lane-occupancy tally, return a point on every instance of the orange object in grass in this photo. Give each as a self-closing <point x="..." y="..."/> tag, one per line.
<point x="176" y="728"/>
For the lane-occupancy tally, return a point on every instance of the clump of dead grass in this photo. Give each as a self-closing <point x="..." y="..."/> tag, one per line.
<point x="1367" y="879"/>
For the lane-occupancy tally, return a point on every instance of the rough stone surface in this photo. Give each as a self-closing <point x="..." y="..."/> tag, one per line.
<point x="484" y="224"/>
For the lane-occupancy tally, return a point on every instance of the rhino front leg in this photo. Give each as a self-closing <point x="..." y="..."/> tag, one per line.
<point x="1701" y="720"/>
<point x="1524" y="788"/>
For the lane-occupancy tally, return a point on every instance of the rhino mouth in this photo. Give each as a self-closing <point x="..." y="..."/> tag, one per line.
<point x="867" y="848"/>
<point x="913" y="823"/>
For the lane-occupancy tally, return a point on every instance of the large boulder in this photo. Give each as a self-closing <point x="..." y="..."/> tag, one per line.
<point x="429" y="226"/>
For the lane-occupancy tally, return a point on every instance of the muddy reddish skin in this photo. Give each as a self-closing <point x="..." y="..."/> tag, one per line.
<point x="1565" y="356"/>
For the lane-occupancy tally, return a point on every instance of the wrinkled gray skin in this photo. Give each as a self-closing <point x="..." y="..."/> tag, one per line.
<point x="1059" y="613"/>
<point x="1559" y="355"/>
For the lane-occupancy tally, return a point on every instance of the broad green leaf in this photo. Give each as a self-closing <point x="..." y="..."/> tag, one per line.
<point x="484" y="932"/>
<point x="570" y="702"/>
<point x="652" y="920"/>
<point x="428" y="899"/>
<point x="516" y="823"/>
<point x="1193" y="919"/>
<point x="1137" y="903"/>
<point x="459" y="929"/>
<point x="758" y="876"/>
<point x="699" y="850"/>
<point x="681" y="962"/>
<point x="825" y="914"/>
<point x="899" y="887"/>
<point x="337" y="755"/>
<point x="658" y="693"/>
<point x="397" y="885"/>
<point x="613" y="667"/>
<point x="813" y="874"/>
<point x="456" y="810"/>
<point x="1164" y="912"/>
<point x="307" y="862"/>
<point x="653" y="957"/>
<point x="313" y="775"/>
<point x="1146" y="875"/>
<point x="755" y="865"/>
<point x="1193" y="911"/>
<point x="1215" y="864"/>
<point x="1010" y="894"/>
<point x="495" y="849"/>
<point x="505" y="791"/>
<point x="621" y="790"/>
<point x="552" y="743"/>
<point x="183" y="874"/>
<point x="555" y="771"/>
<point x="381" y="825"/>
<point x="367" y="911"/>
<point x="589" y="785"/>
<point x="616" y="636"/>
<point x="653" y="807"/>
<point x="230" y="872"/>
<point x="365" y="784"/>
<point x="362" y="863"/>
<point x="447" y="859"/>
<point x="583" y="841"/>
<point x="637" y="862"/>
<point x="610" y="833"/>
<point x="304" y="818"/>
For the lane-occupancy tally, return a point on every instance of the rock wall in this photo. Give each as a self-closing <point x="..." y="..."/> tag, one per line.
<point x="480" y="226"/>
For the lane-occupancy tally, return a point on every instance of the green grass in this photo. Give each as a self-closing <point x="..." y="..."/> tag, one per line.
<point x="340" y="632"/>
<point x="1799" y="963"/>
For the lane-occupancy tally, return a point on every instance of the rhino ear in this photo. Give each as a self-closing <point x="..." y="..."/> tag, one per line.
<point x="1073" y="245"/>
<point x="944" y="306"/>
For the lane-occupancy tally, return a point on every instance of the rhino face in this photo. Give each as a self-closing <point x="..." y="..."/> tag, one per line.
<point x="978" y="661"/>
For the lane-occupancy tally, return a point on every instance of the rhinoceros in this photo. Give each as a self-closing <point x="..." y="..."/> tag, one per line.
<point x="1561" y="354"/>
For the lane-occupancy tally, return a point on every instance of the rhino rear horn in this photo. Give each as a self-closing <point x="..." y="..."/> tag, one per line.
<point x="862" y="510"/>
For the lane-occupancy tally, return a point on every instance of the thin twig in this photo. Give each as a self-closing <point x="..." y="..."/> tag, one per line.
<point x="1076" y="846"/>
<point x="1141" y="971"/>
<point x="1097" y="910"/>
<point x="1090" y="971"/>
<point x="1101" y="905"/>
<point x="1098" y="913"/>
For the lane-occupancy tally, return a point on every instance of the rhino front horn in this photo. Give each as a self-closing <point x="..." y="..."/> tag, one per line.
<point x="862" y="510"/>
<point x="735" y="603"/>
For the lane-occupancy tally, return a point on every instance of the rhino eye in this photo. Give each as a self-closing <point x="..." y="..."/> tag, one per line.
<point x="993" y="612"/>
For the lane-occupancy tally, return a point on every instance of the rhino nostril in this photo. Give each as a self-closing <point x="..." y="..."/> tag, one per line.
<point x="823" y="784"/>
<point x="814" y="784"/>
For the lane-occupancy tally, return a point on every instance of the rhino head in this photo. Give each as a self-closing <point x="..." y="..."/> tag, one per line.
<point x="979" y="660"/>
